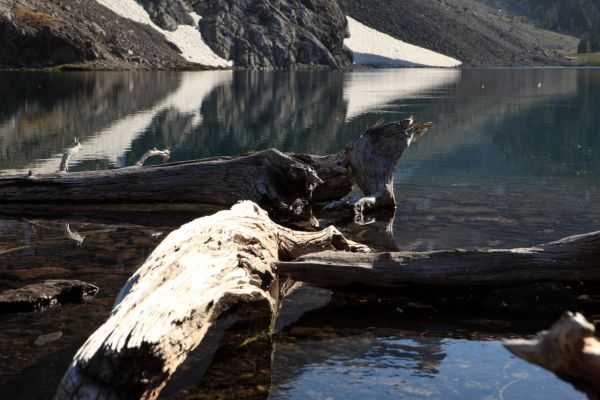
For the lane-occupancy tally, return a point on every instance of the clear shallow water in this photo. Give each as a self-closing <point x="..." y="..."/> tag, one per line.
<point x="514" y="160"/>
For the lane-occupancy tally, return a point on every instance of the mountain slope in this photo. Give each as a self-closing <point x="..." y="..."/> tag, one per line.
<point x="467" y="30"/>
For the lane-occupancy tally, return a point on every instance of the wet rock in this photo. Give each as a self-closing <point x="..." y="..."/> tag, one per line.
<point x="40" y="296"/>
<point x="279" y="34"/>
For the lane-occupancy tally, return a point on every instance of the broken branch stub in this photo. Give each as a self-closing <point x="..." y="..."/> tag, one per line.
<point x="197" y="274"/>
<point x="568" y="348"/>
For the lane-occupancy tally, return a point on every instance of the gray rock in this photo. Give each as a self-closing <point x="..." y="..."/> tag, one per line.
<point x="40" y="296"/>
<point x="281" y="34"/>
<point x="168" y="14"/>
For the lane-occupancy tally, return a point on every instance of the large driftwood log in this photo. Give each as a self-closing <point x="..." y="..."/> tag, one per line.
<point x="195" y="275"/>
<point x="269" y="177"/>
<point x="569" y="349"/>
<point x="571" y="260"/>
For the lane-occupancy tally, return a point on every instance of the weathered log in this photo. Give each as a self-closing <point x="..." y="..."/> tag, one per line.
<point x="197" y="274"/>
<point x="569" y="349"/>
<point x="40" y="296"/>
<point x="269" y="177"/>
<point x="574" y="259"/>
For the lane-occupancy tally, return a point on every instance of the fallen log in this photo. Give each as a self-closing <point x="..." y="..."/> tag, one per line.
<point x="200" y="272"/>
<point x="39" y="296"/>
<point x="569" y="349"/>
<point x="270" y="178"/>
<point x="574" y="259"/>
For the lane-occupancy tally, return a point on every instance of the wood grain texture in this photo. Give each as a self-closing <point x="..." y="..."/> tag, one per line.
<point x="197" y="274"/>
<point x="571" y="260"/>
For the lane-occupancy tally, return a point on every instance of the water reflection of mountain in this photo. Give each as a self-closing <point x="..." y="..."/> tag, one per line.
<point x="40" y="113"/>
<point x="507" y="113"/>
<point x="559" y="138"/>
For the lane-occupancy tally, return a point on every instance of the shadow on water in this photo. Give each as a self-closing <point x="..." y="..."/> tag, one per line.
<point x="513" y="161"/>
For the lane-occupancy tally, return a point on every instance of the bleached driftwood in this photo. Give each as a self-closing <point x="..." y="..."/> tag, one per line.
<point x="64" y="162"/>
<point x="163" y="154"/>
<point x="569" y="349"/>
<point x="269" y="177"/>
<point x="195" y="275"/>
<point x="574" y="259"/>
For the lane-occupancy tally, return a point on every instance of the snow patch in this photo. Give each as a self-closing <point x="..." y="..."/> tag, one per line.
<point x="371" y="47"/>
<point x="186" y="37"/>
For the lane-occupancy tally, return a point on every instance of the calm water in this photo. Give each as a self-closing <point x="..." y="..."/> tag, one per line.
<point x="514" y="160"/>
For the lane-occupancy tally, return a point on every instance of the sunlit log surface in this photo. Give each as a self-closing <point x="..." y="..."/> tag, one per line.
<point x="574" y="259"/>
<point x="270" y="178"/>
<point x="569" y="349"/>
<point x="198" y="273"/>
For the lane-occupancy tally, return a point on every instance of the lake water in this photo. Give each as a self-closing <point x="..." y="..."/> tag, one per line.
<point x="514" y="160"/>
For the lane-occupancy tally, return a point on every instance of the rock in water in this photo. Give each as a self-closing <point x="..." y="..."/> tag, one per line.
<point x="279" y="34"/>
<point x="42" y="295"/>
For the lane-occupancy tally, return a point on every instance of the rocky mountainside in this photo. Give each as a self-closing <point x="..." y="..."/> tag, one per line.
<point x="576" y="17"/>
<point x="287" y="34"/>
<point x="111" y="33"/>
<point x="464" y="29"/>
<point x="282" y="33"/>
<point x="43" y="33"/>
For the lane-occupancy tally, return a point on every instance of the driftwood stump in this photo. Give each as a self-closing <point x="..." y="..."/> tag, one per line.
<point x="195" y="275"/>
<point x="569" y="349"/>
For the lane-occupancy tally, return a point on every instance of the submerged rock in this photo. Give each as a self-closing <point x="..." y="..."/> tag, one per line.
<point x="40" y="296"/>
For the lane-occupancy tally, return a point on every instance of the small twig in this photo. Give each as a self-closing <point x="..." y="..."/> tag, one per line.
<point x="64" y="162"/>
<point x="164" y="154"/>
<point x="6" y="251"/>
<point x="74" y="235"/>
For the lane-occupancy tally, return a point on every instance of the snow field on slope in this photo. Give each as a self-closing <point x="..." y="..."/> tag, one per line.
<point x="371" y="47"/>
<point x="186" y="37"/>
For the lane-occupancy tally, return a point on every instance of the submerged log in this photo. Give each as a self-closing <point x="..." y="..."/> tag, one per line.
<point x="574" y="259"/>
<point x="39" y="296"/>
<point x="197" y="274"/>
<point x="569" y="349"/>
<point x="269" y="177"/>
